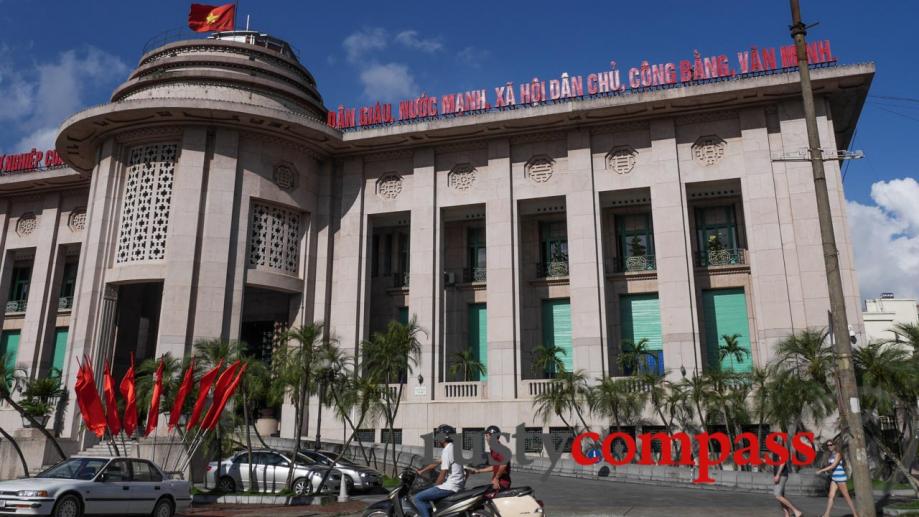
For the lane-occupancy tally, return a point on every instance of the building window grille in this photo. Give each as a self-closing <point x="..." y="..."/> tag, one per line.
<point x="396" y="433"/>
<point x="475" y="240"/>
<point x="274" y="238"/>
<point x="532" y="441"/>
<point x="471" y="435"/>
<point x="146" y="202"/>
<point x="368" y="435"/>
<point x="635" y="245"/>
<point x="562" y="437"/>
<point x="553" y="238"/>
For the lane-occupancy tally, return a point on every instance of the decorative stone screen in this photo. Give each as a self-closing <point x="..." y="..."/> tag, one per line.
<point x="146" y="201"/>
<point x="274" y="238"/>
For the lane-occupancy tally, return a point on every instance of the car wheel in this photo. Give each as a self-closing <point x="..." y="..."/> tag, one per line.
<point x="68" y="506"/>
<point x="226" y="484"/>
<point x="302" y="486"/>
<point x="163" y="508"/>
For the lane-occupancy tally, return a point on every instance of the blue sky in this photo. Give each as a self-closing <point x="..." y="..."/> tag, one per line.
<point x="56" y="57"/>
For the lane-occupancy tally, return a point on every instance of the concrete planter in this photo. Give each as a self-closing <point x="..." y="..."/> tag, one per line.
<point x="262" y="499"/>
<point x="267" y="426"/>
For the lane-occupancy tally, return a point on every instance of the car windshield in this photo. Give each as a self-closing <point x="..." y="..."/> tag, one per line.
<point x="75" y="468"/>
<point x="343" y="461"/>
<point x="309" y="459"/>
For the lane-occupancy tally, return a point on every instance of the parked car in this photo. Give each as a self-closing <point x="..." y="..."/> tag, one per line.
<point x="96" y="485"/>
<point x="357" y="476"/>
<point x="272" y="470"/>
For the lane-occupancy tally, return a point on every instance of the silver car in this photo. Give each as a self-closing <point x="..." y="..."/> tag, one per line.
<point x="99" y="486"/>
<point x="357" y="476"/>
<point x="271" y="471"/>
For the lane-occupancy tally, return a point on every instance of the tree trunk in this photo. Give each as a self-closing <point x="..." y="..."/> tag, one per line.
<point x="34" y="423"/>
<point x="25" y="466"/>
<point x="319" y="418"/>
<point x="248" y="425"/>
<point x="392" y="423"/>
<point x="904" y="469"/>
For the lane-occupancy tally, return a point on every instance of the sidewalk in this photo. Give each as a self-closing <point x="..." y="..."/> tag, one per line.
<point x="349" y="509"/>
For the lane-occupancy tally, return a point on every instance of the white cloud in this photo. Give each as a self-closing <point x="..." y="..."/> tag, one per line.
<point x="411" y="40"/>
<point x="44" y="94"/>
<point x="388" y="82"/>
<point x="472" y="56"/>
<point x="363" y="42"/>
<point x="885" y="238"/>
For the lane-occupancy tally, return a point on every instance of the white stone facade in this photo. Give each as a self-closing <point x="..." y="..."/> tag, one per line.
<point x="216" y="217"/>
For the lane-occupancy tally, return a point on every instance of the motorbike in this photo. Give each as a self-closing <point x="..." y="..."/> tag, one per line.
<point x="481" y="501"/>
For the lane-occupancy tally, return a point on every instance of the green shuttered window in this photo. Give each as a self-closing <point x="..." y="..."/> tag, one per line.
<point x="60" y="350"/>
<point x="9" y="347"/>
<point x="478" y="334"/>
<point x="640" y="318"/>
<point x="725" y="313"/>
<point x="556" y="327"/>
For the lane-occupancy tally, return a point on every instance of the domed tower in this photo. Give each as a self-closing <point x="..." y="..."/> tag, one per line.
<point x="206" y="169"/>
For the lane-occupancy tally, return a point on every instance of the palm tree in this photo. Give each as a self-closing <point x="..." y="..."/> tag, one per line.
<point x="801" y="386"/>
<point x="8" y="379"/>
<point x="468" y="362"/>
<point x="809" y="354"/>
<point x="254" y="390"/>
<point x="388" y="358"/>
<point x="636" y="355"/>
<point x="547" y="361"/>
<point x="617" y="400"/>
<point x="733" y="349"/>
<point x="909" y="332"/>
<point x="173" y="369"/>
<point x="888" y="384"/>
<point x="565" y="396"/>
<point x="293" y="365"/>
<point x="698" y="391"/>
<point x="758" y="379"/>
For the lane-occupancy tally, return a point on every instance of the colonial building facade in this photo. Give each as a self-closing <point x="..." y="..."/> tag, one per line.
<point x="210" y="199"/>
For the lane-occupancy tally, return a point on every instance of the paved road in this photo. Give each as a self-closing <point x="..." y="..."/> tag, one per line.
<point x="576" y="497"/>
<point x="582" y="497"/>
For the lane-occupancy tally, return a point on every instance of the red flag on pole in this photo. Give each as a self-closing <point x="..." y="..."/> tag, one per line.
<point x="154" y="413"/>
<point x="226" y="397"/>
<point x="211" y="18"/>
<point x="111" y="406"/>
<point x="220" y="389"/>
<point x="129" y="395"/>
<point x="203" y="388"/>
<point x="91" y="406"/>
<point x="187" y="382"/>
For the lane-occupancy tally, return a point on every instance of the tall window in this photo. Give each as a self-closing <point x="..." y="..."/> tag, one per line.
<point x="475" y="242"/>
<point x="553" y="237"/>
<point x="635" y="245"/>
<point x="716" y="228"/>
<point x="403" y="253"/>
<point x="19" y="288"/>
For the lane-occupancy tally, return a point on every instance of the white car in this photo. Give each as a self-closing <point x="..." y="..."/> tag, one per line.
<point x="271" y="470"/>
<point x="96" y="486"/>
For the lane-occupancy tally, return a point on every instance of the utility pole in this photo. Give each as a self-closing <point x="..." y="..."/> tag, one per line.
<point x="845" y="373"/>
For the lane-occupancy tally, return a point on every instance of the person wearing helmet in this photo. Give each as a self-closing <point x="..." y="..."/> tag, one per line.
<point x="500" y="463"/>
<point x="451" y="478"/>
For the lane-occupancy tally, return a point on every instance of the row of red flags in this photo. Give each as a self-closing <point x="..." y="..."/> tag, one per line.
<point x="98" y="420"/>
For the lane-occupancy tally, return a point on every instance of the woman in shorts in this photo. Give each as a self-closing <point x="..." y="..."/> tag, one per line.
<point x="837" y="466"/>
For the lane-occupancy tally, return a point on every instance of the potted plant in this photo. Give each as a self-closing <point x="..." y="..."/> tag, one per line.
<point x="39" y="399"/>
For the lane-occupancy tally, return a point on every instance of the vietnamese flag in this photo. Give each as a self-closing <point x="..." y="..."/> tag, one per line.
<point x="220" y="389"/>
<point x="154" y="413"/>
<point x="211" y="18"/>
<point x="89" y="401"/>
<point x="203" y="388"/>
<point x="226" y="397"/>
<point x="129" y="395"/>
<point x="179" y="403"/>
<point x="111" y="407"/>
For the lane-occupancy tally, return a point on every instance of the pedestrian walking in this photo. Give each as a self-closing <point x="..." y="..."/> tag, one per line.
<point x="779" y="480"/>
<point x="838" y="479"/>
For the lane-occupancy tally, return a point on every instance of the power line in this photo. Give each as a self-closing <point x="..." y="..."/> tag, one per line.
<point x="897" y="113"/>
<point x="890" y="98"/>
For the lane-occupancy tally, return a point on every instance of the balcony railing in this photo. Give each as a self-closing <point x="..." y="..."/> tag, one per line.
<point x="635" y="263"/>
<point x="65" y="303"/>
<point x="552" y="269"/>
<point x="463" y="390"/>
<point x="722" y="257"/>
<point x="400" y="279"/>
<point x="475" y="274"/>
<point x="14" y="306"/>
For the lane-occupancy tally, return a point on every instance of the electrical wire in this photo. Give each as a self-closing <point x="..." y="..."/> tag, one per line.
<point x="891" y="98"/>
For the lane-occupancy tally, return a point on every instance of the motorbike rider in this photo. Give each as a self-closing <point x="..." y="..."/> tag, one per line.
<point x="500" y="464"/>
<point x="451" y="478"/>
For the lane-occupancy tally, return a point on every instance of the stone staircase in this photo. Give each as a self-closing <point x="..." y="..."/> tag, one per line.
<point x="127" y="448"/>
